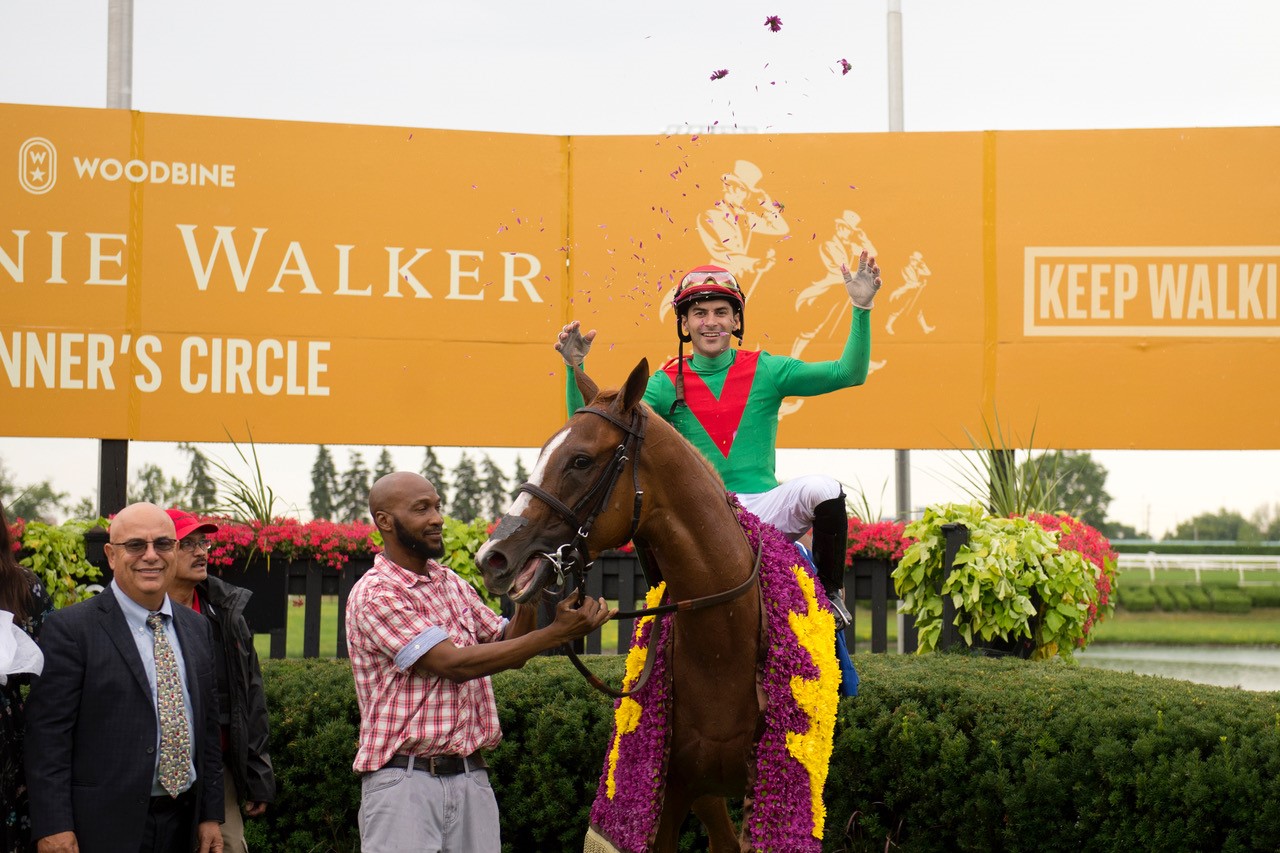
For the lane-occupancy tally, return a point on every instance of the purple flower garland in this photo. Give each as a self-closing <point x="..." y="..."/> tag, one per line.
<point x="629" y="799"/>
<point x="782" y="812"/>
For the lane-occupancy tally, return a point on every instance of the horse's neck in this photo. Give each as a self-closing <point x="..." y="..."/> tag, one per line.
<point x="689" y="525"/>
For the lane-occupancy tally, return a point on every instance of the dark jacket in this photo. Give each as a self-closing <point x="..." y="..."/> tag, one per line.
<point x="247" y="758"/>
<point x="91" y="727"/>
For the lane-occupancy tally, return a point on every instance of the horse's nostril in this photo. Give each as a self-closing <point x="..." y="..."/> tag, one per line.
<point x="495" y="562"/>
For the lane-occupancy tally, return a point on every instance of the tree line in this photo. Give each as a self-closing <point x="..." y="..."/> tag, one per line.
<point x="478" y="488"/>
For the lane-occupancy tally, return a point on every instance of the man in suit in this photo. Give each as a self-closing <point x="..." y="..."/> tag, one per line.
<point x="102" y="779"/>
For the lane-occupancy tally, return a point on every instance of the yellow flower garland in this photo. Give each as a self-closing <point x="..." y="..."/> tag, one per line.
<point x="817" y="698"/>
<point x="626" y="718"/>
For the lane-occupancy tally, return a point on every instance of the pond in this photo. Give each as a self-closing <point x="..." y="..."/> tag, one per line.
<point x="1247" y="667"/>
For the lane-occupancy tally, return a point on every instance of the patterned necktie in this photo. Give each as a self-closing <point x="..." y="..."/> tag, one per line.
<point x="175" y="740"/>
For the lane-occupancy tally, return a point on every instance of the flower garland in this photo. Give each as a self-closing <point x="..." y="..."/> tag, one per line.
<point x="629" y="799"/>
<point x="800" y="677"/>
<point x="801" y="682"/>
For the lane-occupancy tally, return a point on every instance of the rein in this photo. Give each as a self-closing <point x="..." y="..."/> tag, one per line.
<point x="573" y="558"/>
<point x="672" y="607"/>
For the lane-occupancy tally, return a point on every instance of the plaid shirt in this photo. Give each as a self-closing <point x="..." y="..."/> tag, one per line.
<point x="394" y="617"/>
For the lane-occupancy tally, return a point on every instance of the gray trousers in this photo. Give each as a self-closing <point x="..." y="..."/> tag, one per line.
<point x="411" y="811"/>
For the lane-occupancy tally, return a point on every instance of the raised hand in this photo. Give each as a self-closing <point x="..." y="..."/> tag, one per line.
<point x="573" y="345"/>
<point x="864" y="284"/>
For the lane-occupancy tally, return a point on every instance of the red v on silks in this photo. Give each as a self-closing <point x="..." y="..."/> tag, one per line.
<point x="719" y="417"/>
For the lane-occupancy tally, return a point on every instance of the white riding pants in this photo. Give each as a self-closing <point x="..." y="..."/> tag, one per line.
<point x="789" y="507"/>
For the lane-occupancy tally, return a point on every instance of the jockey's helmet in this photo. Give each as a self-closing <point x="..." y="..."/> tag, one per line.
<point x="708" y="282"/>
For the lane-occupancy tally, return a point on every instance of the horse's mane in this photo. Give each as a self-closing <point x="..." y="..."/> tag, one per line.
<point x="668" y="432"/>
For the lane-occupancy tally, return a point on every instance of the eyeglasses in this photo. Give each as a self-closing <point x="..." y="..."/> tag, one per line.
<point x="137" y="547"/>
<point x="190" y="544"/>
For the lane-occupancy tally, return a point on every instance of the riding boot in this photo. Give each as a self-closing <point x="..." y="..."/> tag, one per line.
<point x="830" y="546"/>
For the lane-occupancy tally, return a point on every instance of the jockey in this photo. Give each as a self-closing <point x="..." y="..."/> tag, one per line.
<point x="725" y="401"/>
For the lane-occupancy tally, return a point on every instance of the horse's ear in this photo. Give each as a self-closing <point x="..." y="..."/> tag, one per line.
<point x="586" y="387"/>
<point x="633" y="391"/>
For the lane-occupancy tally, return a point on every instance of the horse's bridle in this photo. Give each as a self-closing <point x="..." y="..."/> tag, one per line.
<point x="574" y="558"/>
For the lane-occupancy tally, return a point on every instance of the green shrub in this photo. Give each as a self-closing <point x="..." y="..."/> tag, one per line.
<point x="1228" y="599"/>
<point x="315" y="727"/>
<point x="1263" y="596"/>
<point x="1137" y="597"/>
<point x="936" y="753"/>
<point x="1164" y="597"/>
<point x="954" y="753"/>
<point x="1181" y="601"/>
<point x="1198" y="598"/>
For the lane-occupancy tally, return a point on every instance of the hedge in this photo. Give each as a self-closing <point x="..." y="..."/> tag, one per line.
<point x="936" y="753"/>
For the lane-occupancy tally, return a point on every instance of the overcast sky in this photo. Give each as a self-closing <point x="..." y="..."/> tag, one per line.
<point x="592" y="68"/>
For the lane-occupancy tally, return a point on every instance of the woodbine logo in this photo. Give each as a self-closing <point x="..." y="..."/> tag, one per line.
<point x="1151" y="291"/>
<point x="38" y="170"/>
<point x="37" y="165"/>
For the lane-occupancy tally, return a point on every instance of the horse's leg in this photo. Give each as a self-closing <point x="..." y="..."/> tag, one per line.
<point x="675" y="808"/>
<point x="714" y="814"/>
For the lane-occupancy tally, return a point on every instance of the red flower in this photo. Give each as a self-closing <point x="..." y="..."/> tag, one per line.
<point x="773" y="22"/>
<point x="845" y="67"/>
<point x="723" y="72"/>
<point x="328" y="542"/>
<point x="16" y="531"/>
<point x="1075" y="535"/>
<point x="877" y="539"/>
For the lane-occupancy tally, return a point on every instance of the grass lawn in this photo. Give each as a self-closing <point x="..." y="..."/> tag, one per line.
<point x="1258" y="627"/>
<point x="293" y="639"/>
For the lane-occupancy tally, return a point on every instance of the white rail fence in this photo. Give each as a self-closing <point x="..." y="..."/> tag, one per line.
<point x="1250" y="568"/>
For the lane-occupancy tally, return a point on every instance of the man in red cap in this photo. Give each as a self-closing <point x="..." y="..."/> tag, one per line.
<point x="242" y="703"/>
<point x="726" y="402"/>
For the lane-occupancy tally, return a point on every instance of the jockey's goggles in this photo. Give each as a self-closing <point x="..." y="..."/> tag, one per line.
<point x="708" y="283"/>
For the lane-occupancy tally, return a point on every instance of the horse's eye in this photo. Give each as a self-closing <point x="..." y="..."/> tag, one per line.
<point x="581" y="462"/>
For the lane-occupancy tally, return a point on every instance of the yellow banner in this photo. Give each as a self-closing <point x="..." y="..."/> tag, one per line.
<point x="180" y="278"/>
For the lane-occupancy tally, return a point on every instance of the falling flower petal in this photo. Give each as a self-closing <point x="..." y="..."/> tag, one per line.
<point x="716" y="75"/>
<point x="845" y="67"/>
<point x="773" y="22"/>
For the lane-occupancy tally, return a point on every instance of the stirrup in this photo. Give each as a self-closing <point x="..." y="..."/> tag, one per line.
<point x="843" y="617"/>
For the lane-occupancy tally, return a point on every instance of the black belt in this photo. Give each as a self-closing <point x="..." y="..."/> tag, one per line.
<point x="165" y="803"/>
<point x="439" y="765"/>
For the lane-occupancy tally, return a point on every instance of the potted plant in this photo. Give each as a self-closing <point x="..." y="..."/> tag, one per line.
<point x="873" y="546"/>
<point x="1088" y="541"/>
<point x="1010" y="582"/>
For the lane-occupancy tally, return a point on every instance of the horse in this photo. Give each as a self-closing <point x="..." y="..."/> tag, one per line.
<point x="680" y="516"/>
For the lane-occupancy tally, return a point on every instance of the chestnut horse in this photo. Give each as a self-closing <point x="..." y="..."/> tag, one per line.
<point x="646" y="482"/>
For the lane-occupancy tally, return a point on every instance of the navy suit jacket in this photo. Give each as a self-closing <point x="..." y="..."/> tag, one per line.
<point x="91" y="727"/>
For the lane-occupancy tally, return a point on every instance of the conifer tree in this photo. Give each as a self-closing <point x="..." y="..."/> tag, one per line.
<point x="353" y="489"/>
<point x="202" y="489"/>
<point x="324" y="486"/>
<point x="493" y="487"/>
<point x="468" y="491"/>
<point x="384" y="466"/>
<point x="434" y="472"/>
<point x="520" y="476"/>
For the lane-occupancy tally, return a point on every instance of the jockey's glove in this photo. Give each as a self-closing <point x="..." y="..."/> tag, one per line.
<point x="864" y="284"/>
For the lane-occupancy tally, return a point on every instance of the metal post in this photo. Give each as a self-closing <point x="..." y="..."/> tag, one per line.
<point x="119" y="54"/>
<point x="901" y="458"/>
<point x="113" y="454"/>
<point x="113" y="476"/>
